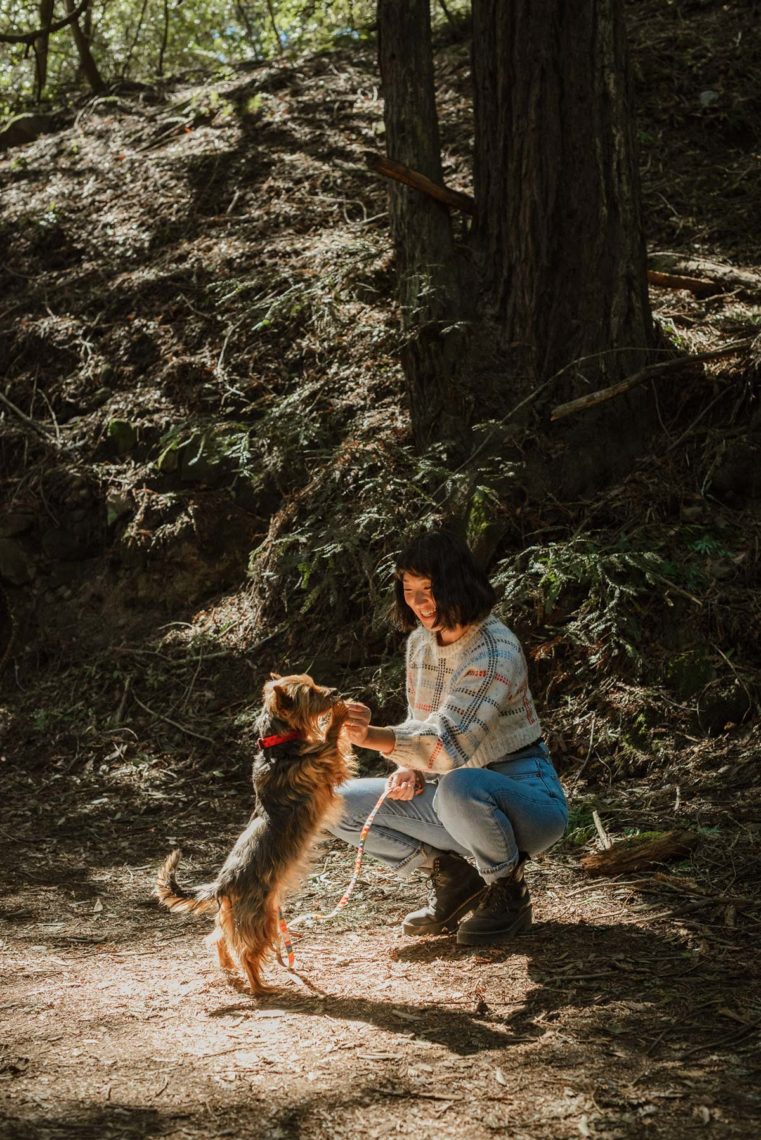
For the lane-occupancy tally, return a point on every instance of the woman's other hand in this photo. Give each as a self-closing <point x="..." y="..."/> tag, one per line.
<point x="404" y="784"/>
<point x="357" y="722"/>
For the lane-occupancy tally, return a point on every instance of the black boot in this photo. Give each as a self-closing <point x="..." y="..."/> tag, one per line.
<point x="504" y="910"/>
<point x="454" y="888"/>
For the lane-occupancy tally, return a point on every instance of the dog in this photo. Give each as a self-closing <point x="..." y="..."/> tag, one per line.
<point x="302" y="758"/>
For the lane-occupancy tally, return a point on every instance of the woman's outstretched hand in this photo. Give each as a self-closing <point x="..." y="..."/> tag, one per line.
<point x="403" y="784"/>
<point x="357" y="722"/>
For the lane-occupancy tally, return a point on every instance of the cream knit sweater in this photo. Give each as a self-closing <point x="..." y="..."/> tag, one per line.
<point x="468" y="703"/>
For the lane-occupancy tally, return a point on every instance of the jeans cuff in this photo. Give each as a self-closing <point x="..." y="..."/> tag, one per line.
<point x="500" y="871"/>
<point x="417" y="861"/>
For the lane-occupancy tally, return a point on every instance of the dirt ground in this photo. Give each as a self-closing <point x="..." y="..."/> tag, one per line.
<point x="631" y="1008"/>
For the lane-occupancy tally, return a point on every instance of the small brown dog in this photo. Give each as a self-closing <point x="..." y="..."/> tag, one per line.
<point x="302" y="760"/>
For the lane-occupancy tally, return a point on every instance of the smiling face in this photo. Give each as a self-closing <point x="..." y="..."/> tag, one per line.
<point x="418" y="594"/>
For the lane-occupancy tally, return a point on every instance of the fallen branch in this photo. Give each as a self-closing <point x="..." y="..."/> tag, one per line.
<point x="174" y="723"/>
<point x="699" y="286"/>
<point x="640" y="853"/>
<point x="724" y="277"/>
<point x="604" y="394"/>
<point x="398" y="172"/>
<point x="25" y="419"/>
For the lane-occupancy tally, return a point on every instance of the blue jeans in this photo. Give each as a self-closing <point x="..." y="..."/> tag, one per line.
<point x="486" y="814"/>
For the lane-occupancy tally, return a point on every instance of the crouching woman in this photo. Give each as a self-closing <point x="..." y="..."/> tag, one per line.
<point x="474" y="792"/>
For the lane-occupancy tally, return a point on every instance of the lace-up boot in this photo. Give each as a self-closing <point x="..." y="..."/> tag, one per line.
<point x="454" y="888"/>
<point x="503" y="911"/>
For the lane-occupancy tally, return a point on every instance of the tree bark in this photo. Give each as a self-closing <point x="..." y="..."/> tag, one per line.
<point x="428" y="271"/>
<point x="41" y="47"/>
<point x="557" y="236"/>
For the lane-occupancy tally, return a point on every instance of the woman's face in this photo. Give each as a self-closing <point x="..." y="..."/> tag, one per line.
<point x="418" y="594"/>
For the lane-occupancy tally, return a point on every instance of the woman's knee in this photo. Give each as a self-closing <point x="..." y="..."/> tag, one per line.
<point x="455" y="789"/>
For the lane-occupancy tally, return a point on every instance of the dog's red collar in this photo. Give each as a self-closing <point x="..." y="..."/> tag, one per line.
<point x="273" y="741"/>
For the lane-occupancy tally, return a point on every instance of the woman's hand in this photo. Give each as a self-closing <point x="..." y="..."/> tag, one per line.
<point x="357" y="722"/>
<point x="404" y="784"/>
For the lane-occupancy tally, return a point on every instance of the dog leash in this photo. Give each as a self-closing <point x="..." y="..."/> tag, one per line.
<point x="316" y="916"/>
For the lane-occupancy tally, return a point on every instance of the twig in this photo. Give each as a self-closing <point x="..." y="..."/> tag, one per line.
<point x="174" y="723"/>
<point x="592" y="399"/>
<point x="26" y="419"/>
<point x="120" y="711"/>
<point x="605" y="839"/>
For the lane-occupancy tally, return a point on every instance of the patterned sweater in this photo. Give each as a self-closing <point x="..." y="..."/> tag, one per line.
<point x="468" y="703"/>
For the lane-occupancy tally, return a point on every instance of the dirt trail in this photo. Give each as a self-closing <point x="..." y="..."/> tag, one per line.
<point x="612" y="1018"/>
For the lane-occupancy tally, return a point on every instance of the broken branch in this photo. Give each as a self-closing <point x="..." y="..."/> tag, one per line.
<point x="398" y="172"/>
<point x="640" y="853"/>
<point x="652" y="370"/>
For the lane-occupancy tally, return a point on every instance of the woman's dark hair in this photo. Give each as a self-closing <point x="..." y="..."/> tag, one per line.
<point x="461" y="590"/>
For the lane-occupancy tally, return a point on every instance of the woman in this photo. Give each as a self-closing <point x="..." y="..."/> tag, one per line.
<point x="473" y="781"/>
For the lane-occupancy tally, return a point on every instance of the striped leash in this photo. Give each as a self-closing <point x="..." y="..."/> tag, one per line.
<point x="316" y="916"/>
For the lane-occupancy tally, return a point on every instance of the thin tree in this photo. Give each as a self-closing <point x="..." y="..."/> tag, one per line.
<point x="41" y="46"/>
<point x="164" y="40"/>
<point x="87" y="64"/>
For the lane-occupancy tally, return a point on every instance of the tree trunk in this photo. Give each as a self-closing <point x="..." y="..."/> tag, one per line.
<point x="87" y="64"/>
<point x="41" y="47"/>
<point x="557" y="236"/>
<point x="428" y="273"/>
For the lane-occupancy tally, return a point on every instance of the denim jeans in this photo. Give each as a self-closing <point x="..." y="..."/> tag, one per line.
<point x="486" y="814"/>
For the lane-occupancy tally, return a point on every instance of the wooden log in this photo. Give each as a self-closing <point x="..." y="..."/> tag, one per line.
<point x="397" y="171"/>
<point x="603" y="394"/>
<point x="640" y="853"/>
<point x="699" y="286"/>
<point x="726" y="278"/>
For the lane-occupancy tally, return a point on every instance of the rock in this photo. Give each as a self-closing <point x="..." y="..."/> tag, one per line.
<point x="24" y="129"/>
<point x="15" y="567"/>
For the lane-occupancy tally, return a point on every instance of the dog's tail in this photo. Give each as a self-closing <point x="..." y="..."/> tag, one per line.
<point x="170" y="894"/>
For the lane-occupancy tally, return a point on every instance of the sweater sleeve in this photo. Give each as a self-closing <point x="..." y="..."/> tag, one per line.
<point x="449" y="736"/>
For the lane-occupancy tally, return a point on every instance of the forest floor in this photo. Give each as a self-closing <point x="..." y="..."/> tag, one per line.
<point x="197" y="316"/>
<point x="631" y="1008"/>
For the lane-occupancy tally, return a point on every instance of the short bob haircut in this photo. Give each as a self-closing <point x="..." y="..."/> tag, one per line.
<point x="462" y="592"/>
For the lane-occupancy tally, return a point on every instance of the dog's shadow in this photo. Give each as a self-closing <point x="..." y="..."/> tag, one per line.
<point x="577" y="965"/>
<point x="456" y="1030"/>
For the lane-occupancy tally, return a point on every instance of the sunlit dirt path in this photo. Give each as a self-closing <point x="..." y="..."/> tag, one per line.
<point x="609" y="1019"/>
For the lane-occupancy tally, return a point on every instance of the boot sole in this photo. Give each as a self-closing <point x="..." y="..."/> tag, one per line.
<point x="495" y="937"/>
<point x="449" y="925"/>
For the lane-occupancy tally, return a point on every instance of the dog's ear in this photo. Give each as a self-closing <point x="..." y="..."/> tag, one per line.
<point x="275" y="676"/>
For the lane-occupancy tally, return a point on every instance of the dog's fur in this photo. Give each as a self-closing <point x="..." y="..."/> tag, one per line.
<point x="295" y="785"/>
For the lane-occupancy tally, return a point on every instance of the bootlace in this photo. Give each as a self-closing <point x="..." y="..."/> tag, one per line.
<point x="504" y="893"/>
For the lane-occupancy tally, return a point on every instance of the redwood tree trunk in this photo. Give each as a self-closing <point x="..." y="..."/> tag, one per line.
<point x="558" y="237"/>
<point x="428" y="272"/>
